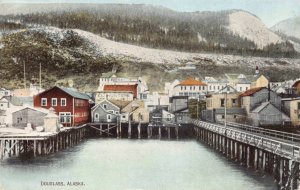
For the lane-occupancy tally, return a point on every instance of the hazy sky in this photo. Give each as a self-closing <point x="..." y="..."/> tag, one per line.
<point x="270" y="11"/>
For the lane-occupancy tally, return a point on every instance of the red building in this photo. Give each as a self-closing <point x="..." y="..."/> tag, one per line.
<point x="72" y="107"/>
<point x="123" y="88"/>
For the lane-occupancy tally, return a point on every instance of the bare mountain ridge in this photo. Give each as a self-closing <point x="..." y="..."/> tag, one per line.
<point x="159" y="27"/>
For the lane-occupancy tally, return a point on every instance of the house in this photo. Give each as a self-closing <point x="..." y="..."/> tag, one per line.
<point x="268" y="114"/>
<point x="254" y="97"/>
<point x="105" y="112"/>
<point x="214" y="85"/>
<point x="113" y="95"/>
<point x="122" y="88"/>
<point x="72" y="107"/>
<point x="179" y="107"/>
<point x="240" y="82"/>
<point x="29" y="115"/>
<point x="137" y="111"/>
<point x="291" y="107"/>
<point x="217" y="100"/>
<point x="4" y="92"/>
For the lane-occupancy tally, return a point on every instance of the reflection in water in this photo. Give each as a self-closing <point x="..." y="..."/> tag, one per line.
<point x="131" y="164"/>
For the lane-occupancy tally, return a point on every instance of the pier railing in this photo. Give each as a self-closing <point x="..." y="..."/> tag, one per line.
<point x="285" y="149"/>
<point x="273" y="133"/>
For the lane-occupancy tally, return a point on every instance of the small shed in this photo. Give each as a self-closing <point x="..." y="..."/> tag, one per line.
<point x="34" y="116"/>
<point x="268" y="114"/>
<point x="51" y="123"/>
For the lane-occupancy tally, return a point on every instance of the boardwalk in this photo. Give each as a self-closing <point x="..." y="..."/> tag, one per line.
<point x="276" y="153"/>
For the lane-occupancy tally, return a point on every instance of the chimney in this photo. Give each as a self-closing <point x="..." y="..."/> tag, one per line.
<point x="256" y="70"/>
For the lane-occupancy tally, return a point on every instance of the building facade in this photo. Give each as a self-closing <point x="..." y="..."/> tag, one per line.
<point x="72" y="107"/>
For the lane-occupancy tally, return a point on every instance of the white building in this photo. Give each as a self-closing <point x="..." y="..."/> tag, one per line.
<point x="4" y="92"/>
<point x="192" y="88"/>
<point x="156" y="99"/>
<point x="214" y="85"/>
<point x="112" y="79"/>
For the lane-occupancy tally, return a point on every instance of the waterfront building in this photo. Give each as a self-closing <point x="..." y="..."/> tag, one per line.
<point x="179" y="107"/>
<point x="214" y="85"/>
<point x="114" y="95"/>
<point x="105" y="112"/>
<point x="136" y="111"/>
<point x="72" y="107"/>
<point x="4" y="92"/>
<point x="29" y="115"/>
<point x="217" y="100"/>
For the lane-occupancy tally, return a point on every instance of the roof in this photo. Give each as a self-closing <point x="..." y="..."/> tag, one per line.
<point x="74" y="93"/>
<point x="120" y="103"/>
<point x="296" y="83"/>
<point x="192" y="82"/>
<point x="227" y="89"/>
<point x="243" y="81"/>
<point x="251" y="91"/>
<point x="19" y="101"/>
<point x="261" y="107"/>
<point x="124" y="88"/>
<point x="43" y="110"/>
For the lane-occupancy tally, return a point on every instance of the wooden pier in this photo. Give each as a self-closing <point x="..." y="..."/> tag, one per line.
<point x="277" y="157"/>
<point x="42" y="143"/>
<point x="135" y="130"/>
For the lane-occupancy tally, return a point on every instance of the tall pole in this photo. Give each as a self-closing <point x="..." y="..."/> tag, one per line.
<point x="24" y="75"/>
<point x="225" y="121"/>
<point x="40" y="76"/>
<point x="198" y="108"/>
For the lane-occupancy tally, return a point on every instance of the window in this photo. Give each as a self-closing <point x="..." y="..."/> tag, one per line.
<point x="169" y="117"/>
<point x="223" y="116"/>
<point x="63" y="102"/>
<point x="65" y="117"/>
<point x="246" y="88"/>
<point x="104" y="106"/>
<point x="54" y="101"/>
<point x="241" y="89"/>
<point x="44" y="102"/>
<point x="124" y="116"/>
<point x="203" y="87"/>
<point x="222" y="102"/>
<point x="110" y="111"/>
<point x="298" y="105"/>
<point x="1" y="105"/>
<point x="234" y="116"/>
<point x="117" y="112"/>
<point x="96" y="116"/>
<point x="108" y="117"/>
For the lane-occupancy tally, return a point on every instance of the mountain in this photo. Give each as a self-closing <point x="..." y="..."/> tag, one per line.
<point x="83" y="56"/>
<point x="289" y="27"/>
<point x="230" y="32"/>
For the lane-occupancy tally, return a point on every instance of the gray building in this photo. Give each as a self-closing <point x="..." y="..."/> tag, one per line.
<point x="105" y="112"/>
<point x="179" y="107"/>
<point x="29" y="115"/>
<point x="254" y="97"/>
<point x="268" y="114"/>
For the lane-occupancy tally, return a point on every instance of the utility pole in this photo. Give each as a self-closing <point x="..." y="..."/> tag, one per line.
<point x="225" y="121"/>
<point x="40" y="76"/>
<point x="24" y="75"/>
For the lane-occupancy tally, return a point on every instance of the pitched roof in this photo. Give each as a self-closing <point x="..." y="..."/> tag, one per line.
<point x="75" y="93"/>
<point x="126" y="88"/>
<point x="261" y="107"/>
<point x="296" y="83"/>
<point x="251" y="91"/>
<point x="192" y="82"/>
<point x="120" y="103"/>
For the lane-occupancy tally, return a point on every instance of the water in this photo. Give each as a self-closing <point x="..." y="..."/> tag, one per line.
<point x="103" y="164"/>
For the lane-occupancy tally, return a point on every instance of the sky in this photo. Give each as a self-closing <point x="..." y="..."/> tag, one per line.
<point x="269" y="11"/>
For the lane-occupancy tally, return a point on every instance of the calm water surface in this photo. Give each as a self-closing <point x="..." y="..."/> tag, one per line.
<point x="132" y="164"/>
